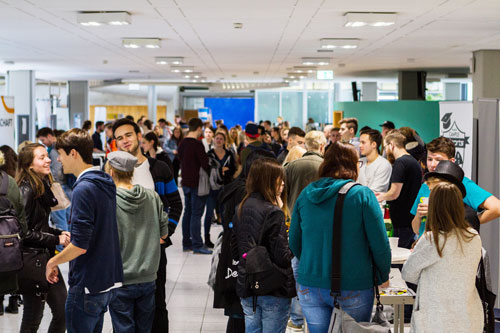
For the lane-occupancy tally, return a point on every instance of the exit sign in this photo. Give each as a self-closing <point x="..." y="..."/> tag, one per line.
<point x="324" y="75"/>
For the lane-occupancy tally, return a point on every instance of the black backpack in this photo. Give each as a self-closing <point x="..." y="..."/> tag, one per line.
<point x="11" y="259"/>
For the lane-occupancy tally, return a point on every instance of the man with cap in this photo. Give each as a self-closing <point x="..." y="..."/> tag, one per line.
<point x="141" y="220"/>
<point x="478" y="199"/>
<point x="387" y="126"/>
<point x="253" y="134"/>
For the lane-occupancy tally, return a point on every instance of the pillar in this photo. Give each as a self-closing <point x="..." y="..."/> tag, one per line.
<point x="452" y="91"/>
<point x="152" y="103"/>
<point x="78" y="103"/>
<point x="411" y="85"/>
<point x="21" y="85"/>
<point x="369" y="91"/>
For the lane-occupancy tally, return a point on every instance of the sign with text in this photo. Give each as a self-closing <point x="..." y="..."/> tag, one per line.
<point x="456" y="124"/>
<point x="7" y="121"/>
<point x="324" y="75"/>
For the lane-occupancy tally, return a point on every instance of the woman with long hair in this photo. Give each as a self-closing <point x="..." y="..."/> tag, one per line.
<point x="208" y="138"/>
<point x="444" y="264"/>
<point x="171" y="149"/>
<point x="151" y="147"/>
<point x="261" y="215"/>
<point x="364" y="243"/>
<point x="10" y="161"/>
<point x="224" y="162"/>
<point x="34" y="182"/>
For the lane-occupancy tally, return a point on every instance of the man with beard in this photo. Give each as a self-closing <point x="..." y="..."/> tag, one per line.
<point x="406" y="179"/>
<point x="156" y="175"/>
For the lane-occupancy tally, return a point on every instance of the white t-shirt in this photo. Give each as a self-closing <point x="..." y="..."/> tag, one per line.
<point x="377" y="175"/>
<point x="142" y="176"/>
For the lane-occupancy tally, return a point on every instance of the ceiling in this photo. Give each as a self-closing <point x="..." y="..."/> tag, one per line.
<point x="429" y="34"/>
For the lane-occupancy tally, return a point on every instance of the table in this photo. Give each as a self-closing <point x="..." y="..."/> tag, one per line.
<point x="397" y="301"/>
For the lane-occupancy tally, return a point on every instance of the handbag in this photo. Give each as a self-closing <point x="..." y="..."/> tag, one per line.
<point x="487" y="299"/>
<point x="31" y="278"/>
<point x="62" y="200"/>
<point x="203" y="183"/>
<point x="215" y="261"/>
<point x="340" y="321"/>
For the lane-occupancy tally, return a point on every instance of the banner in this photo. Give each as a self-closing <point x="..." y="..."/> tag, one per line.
<point x="456" y="124"/>
<point x="7" y="121"/>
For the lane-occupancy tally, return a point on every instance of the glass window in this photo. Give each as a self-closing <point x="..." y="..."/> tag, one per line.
<point x="291" y="108"/>
<point x="268" y="106"/>
<point x="317" y="106"/>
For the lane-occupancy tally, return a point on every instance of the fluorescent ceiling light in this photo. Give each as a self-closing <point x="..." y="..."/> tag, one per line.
<point x="304" y="69"/>
<point x="360" y="19"/>
<point x="192" y="75"/>
<point x="343" y="43"/>
<point x="315" y="61"/>
<point x="169" y="60"/>
<point x="182" y="69"/>
<point x="102" y="18"/>
<point x="135" y="43"/>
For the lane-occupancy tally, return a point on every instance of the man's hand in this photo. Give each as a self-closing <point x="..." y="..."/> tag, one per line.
<point x="384" y="285"/>
<point x="379" y="196"/>
<point x="51" y="272"/>
<point x="64" y="239"/>
<point x="422" y="210"/>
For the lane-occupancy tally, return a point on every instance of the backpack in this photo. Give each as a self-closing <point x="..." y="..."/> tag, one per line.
<point x="11" y="259"/>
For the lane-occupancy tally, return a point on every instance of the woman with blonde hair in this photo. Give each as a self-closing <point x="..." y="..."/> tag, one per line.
<point x="294" y="154"/>
<point x="34" y="182"/>
<point x="444" y="263"/>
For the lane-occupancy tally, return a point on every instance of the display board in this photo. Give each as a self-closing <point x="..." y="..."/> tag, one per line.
<point x="7" y="126"/>
<point x="455" y="123"/>
<point x="62" y="119"/>
<point x="232" y="110"/>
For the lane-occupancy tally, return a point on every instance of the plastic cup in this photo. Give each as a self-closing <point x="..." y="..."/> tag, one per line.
<point x="393" y="242"/>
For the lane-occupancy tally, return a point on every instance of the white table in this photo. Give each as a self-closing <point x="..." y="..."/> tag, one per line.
<point x="398" y="301"/>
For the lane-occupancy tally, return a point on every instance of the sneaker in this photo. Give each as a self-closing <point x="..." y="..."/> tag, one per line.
<point x="295" y="328"/>
<point x="187" y="248"/>
<point x="202" y="250"/>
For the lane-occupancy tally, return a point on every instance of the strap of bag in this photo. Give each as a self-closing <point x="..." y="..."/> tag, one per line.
<point x="4" y="183"/>
<point x="337" y="238"/>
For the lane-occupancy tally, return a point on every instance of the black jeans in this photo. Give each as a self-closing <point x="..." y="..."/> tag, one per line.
<point x="177" y="166"/>
<point x="34" y="306"/>
<point x="160" y="322"/>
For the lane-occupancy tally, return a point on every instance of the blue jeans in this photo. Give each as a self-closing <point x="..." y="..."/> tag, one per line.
<point x="85" y="312"/>
<point x="211" y="205"/>
<point x="271" y="314"/>
<point x="132" y="308"/>
<point x="296" y="315"/>
<point x="317" y="305"/>
<point x="60" y="218"/>
<point x="194" y="206"/>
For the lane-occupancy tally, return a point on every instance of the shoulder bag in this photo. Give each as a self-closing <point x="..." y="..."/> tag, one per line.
<point x="340" y="321"/>
<point x="62" y="200"/>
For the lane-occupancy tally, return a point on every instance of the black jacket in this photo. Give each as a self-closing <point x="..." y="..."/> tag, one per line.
<point x="167" y="190"/>
<point x="257" y="212"/>
<point x="39" y="235"/>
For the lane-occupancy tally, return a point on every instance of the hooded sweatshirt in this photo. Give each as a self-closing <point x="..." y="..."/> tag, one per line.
<point x="141" y="223"/>
<point x="363" y="231"/>
<point x="93" y="228"/>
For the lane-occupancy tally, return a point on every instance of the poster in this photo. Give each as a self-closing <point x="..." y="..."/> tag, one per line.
<point x="456" y="123"/>
<point x="7" y="121"/>
<point x="62" y="119"/>
<point x="43" y="111"/>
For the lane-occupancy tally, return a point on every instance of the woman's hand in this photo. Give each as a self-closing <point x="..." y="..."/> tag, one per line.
<point x="422" y="209"/>
<point x="224" y="169"/>
<point x="279" y="202"/>
<point x="64" y="239"/>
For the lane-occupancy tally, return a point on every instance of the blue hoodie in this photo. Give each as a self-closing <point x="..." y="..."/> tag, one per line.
<point x="363" y="231"/>
<point x="93" y="228"/>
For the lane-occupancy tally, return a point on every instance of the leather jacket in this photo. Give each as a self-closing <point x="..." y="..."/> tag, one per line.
<point x="39" y="234"/>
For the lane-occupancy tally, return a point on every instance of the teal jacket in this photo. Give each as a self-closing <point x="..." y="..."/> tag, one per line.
<point x="363" y="231"/>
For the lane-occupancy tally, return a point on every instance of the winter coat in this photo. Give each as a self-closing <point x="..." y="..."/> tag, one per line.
<point x="259" y="216"/>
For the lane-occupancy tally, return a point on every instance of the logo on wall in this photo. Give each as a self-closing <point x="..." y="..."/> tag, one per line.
<point x="458" y="137"/>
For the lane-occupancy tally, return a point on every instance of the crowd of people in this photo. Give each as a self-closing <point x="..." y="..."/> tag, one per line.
<point x="274" y="189"/>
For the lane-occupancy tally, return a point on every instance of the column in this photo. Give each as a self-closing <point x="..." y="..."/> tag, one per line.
<point x="369" y="91"/>
<point x="411" y="85"/>
<point x="452" y="91"/>
<point x="152" y="103"/>
<point x="21" y="85"/>
<point x="485" y="76"/>
<point x="78" y="103"/>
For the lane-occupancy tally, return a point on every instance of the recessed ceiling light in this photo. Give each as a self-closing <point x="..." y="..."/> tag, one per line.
<point x="94" y="19"/>
<point x="135" y="43"/>
<point x="238" y="25"/>
<point x="169" y="60"/>
<point x="182" y="69"/>
<point x="361" y="19"/>
<point x="315" y="61"/>
<point x="344" y="43"/>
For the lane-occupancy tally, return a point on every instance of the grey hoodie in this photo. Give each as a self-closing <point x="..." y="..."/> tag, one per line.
<point x="141" y="222"/>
